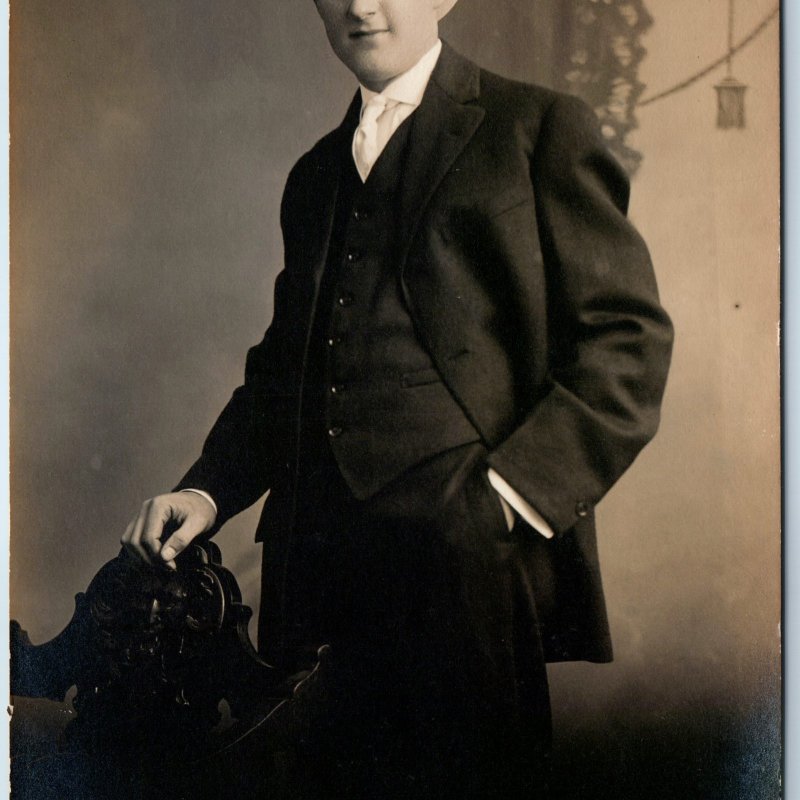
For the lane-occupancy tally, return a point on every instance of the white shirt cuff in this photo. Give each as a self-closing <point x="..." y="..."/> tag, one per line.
<point x="204" y="494"/>
<point x="520" y="505"/>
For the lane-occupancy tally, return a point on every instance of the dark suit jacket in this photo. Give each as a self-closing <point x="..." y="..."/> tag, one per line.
<point x="533" y="294"/>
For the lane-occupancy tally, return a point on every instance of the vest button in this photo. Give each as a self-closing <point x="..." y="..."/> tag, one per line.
<point x="334" y="432"/>
<point x="353" y="257"/>
<point x="333" y="341"/>
<point x="360" y="214"/>
<point x="346" y="300"/>
<point x="582" y="508"/>
<point x="337" y="388"/>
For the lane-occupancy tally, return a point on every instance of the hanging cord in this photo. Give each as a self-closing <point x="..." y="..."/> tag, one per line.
<point x="711" y="67"/>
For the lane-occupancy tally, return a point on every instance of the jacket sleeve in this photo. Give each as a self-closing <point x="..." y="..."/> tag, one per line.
<point x="609" y="340"/>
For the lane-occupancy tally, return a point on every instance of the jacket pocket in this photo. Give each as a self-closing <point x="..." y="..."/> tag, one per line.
<point x="508" y="200"/>
<point x="420" y="377"/>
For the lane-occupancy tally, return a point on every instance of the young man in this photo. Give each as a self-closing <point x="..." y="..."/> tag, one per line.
<point x="467" y="351"/>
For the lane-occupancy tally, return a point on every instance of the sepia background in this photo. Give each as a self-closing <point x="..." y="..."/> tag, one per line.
<point x="150" y="144"/>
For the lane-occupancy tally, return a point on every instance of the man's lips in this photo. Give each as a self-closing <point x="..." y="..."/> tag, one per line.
<point x="363" y="34"/>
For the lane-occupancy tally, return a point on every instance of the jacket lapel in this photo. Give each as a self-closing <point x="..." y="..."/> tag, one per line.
<point x="322" y="199"/>
<point x="443" y="125"/>
<point x="326" y="188"/>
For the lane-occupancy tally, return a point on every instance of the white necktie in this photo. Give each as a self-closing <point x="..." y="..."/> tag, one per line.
<point x="367" y="144"/>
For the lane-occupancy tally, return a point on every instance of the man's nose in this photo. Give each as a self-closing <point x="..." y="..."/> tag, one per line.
<point x="361" y="9"/>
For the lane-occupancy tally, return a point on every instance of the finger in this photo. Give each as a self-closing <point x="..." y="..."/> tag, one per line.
<point x="158" y="515"/>
<point x="125" y="539"/>
<point x="138" y="530"/>
<point x="134" y="537"/>
<point x="179" y="541"/>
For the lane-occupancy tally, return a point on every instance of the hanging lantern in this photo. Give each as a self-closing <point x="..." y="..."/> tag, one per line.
<point x="730" y="92"/>
<point x="730" y="103"/>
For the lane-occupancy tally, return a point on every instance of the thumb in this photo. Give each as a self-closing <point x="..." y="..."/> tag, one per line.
<point x="192" y="527"/>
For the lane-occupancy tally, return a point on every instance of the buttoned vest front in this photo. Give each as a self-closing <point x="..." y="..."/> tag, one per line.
<point x="373" y="396"/>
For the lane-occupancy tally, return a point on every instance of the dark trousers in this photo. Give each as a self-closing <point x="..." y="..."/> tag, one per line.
<point x="438" y="682"/>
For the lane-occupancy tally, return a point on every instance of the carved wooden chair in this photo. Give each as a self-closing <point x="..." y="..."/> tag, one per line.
<point x="154" y="657"/>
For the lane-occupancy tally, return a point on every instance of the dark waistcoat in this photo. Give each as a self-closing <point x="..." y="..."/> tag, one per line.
<point x="373" y="405"/>
<point x="373" y="398"/>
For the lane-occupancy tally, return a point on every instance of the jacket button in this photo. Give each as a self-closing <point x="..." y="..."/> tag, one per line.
<point x="334" y="432"/>
<point x="582" y="508"/>
<point x="353" y="256"/>
<point x="346" y="300"/>
<point x="360" y="214"/>
<point x="337" y="388"/>
<point x="333" y="341"/>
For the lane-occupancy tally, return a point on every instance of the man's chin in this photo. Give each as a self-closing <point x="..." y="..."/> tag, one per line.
<point x="373" y="73"/>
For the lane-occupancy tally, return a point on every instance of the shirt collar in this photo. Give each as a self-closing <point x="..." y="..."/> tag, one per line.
<point x="410" y="86"/>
